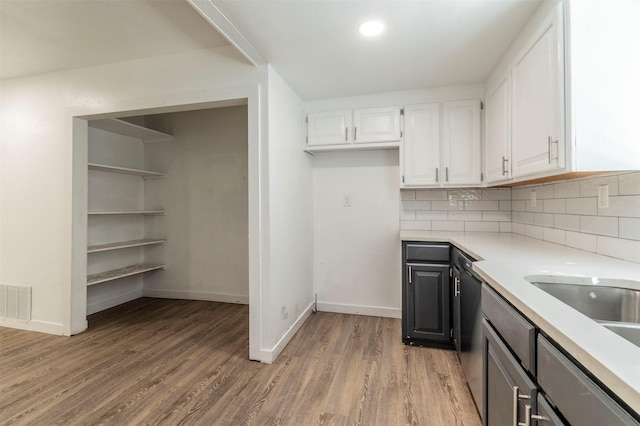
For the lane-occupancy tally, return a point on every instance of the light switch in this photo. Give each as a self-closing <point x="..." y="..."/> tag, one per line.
<point x="603" y="196"/>
<point x="346" y="201"/>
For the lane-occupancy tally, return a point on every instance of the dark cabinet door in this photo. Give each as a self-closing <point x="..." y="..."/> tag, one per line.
<point x="456" y="306"/>
<point x="427" y="302"/>
<point x="507" y="388"/>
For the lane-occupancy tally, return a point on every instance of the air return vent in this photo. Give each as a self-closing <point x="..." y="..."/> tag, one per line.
<point x="15" y="302"/>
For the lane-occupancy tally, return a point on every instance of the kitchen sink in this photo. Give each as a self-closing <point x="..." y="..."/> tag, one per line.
<point x="606" y="301"/>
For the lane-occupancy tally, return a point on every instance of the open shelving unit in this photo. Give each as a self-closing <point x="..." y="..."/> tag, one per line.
<point x="122" y="201"/>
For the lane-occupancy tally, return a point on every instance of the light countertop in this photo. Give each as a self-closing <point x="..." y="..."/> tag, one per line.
<point x="504" y="259"/>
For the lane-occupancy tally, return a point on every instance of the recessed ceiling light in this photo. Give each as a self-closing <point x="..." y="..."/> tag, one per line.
<point x="371" y="28"/>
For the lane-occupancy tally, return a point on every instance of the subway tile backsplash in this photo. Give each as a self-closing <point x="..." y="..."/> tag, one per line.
<point x="565" y="213"/>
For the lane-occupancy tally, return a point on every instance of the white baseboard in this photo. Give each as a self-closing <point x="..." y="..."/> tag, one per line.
<point x="374" y="311"/>
<point x="39" y="326"/>
<point x="113" y="301"/>
<point x="268" y="356"/>
<point x="195" y="295"/>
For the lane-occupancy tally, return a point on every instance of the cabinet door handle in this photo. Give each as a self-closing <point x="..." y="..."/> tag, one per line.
<point x="456" y="286"/>
<point x="355" y="133"/>
<point x="550" y="142"/>
<point x="505" y="161"/>
<point x="437" y="175"/>
<point x="346" y="134"/>
<point x="446" y="173"/>
<point x="528" y="416"/>
<point x="515" y="405"/>
<point x="410" y="273"/>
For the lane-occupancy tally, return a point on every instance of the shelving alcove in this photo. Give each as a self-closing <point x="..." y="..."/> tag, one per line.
<point x="123" y="231"/>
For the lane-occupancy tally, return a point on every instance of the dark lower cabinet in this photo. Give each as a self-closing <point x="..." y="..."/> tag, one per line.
<point x="426" y="298"/>
<point x="508" y="388"/>
<point x="428" y="304"/>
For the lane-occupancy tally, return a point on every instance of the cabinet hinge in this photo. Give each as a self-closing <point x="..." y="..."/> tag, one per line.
<point x="450" y="272"/>
<point x="400" y="134"/>
<point x="401" y="111"/>
<point x="451" y="333"/>
<point x="402" y="178"/>
<point x="481" y="177"/>
<point x="306" y="119"/>
<point x="481" y="105"/>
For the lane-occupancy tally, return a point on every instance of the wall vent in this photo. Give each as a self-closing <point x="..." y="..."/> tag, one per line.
<point x="15" y="302"/>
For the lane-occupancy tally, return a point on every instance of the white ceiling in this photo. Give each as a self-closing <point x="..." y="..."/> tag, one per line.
<point x="313" y="44"/>
<point x="40" y="36"/>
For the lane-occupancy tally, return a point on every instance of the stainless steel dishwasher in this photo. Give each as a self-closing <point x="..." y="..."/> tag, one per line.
<point x="467" y="321"/>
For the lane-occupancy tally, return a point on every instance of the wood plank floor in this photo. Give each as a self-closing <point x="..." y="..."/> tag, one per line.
<point x="175" y="362"/>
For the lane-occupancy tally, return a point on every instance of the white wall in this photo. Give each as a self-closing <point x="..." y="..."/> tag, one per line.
<point x="290" y="286"/>
<point x="357" y="248"/>
<point x="205" y="197"/>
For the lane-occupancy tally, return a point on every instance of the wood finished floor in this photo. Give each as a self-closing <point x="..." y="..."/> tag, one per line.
<point x="174" y="362"/>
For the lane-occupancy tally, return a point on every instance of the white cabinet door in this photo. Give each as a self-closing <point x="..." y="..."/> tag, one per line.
<point x="461" y="147"/>
<point x="497" y="142"/>
<point x="420" y="152"/>
<point x="538" y="106"/>
<point x="329" y="128"/>
<point x="376" y="125"/>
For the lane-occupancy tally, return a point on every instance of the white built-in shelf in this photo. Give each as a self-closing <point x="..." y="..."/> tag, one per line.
<point x="123" y="245"/>
<point x="122" y="127"/>
<point x="128" y="212"/>
<point x="122" y="272"/>
<point x="124" y="170"/>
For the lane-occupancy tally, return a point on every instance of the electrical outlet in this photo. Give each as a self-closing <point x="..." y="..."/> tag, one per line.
<point x="534" y="199"/>
<point x="346" y="201"/>
<point x="603" y="196"/>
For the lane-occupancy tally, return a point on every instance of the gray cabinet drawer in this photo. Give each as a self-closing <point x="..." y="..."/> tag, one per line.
<point x="577" y="398"/>
<point x="519" y="333"/>
<point x="427" y="252"/>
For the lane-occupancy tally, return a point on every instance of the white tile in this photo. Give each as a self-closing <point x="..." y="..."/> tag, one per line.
<point x="557" y="236"/>
<point x="519" y="228"/>
<point x="502" y="194"/>
<point x="415" y="225"/>
<point x="466" y="194"/>
<point x="518" y="206"/>
<point x="408" y="215"/>
<point x="431" y="215"/>
<point x="543" y="219"/>
<point x="535" y="232"/>
<point x="415" y="205"/>
<point x="446" y="205"/>
<point x="431" y="194"/>
<point x="539" y="207"/>
<point x="629" y="183"/>
<point x="557" y="205"/>
<point x="482" y="227"/>
<point x="599" y="225"/>
<point x="619" y="248"/>
<point x="465" y="215"/>
<point x="515" y="216"/>
<point x="506" y="227"/>
<point x="407" y="195"/>
<point x="526" y="217"/>
<point x="630" y="228"/>
<point x="544" y="191"/>
<point x="488" y="216"/>
<point x="589" y="187"/>
<point x="569" y="222"/>
<point x="481" y="205"/>
<point x="520" y="194"/>
<point x="505" y="205"/>
<point x="566" y="189"/>
<point x="581" y="241"/>
<point x="447" y="226"/>
<point x="582" y="206"/>
<point x="625" y="206"/>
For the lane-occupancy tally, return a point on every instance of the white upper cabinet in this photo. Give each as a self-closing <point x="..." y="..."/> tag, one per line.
<point x="441" y="145"/>
<point x="497" y="130"/>
<point x="376" y="125"/>
<point x="365" y="128"/>
<point x="461" y="146"/>
<point x="538" y="100"/>
<point x="328" y="128"/>
<point x="420" y="152"/>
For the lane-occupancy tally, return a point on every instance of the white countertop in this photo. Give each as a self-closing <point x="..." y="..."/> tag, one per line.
<point x="505" y="258"/>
